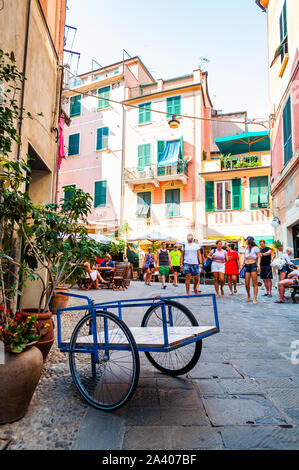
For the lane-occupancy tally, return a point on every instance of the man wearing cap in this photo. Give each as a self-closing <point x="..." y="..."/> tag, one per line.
<point x="175" y="256"/>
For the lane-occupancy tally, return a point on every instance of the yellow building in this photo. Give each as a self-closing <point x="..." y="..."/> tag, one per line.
<point x="236" y="178"/>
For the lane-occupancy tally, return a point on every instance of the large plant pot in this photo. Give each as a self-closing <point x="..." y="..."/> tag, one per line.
<point x="58" y="300"/>
<point x="45" y="333"/>
<point x="19" y="376"/>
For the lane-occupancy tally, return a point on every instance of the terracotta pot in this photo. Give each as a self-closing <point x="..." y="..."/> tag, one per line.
<point x="58" y="300"/>
<point x="19" y="376"/>
<point x="45" y="333"/>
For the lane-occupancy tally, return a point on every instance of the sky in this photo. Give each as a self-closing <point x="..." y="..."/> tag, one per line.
<point x="171" y="37"/>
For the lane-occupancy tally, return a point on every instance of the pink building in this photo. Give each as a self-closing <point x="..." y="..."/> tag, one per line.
<point x="94" y="139"/>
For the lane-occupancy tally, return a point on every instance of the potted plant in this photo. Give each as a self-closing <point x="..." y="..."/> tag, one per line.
<point x="21" y="362"/>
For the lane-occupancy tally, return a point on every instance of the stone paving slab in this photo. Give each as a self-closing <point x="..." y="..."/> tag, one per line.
<point x="199" y="437"/>
<point x="4" y="443"/>
<point x="242" y="410"/>
<point x="244" y="375"/>
<point x="260" y="437"/>
<point x="213" y="370"/>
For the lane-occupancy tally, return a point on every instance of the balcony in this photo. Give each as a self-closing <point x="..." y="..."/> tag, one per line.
<point x="155" y="174"/>
<point x="236" y="162"/>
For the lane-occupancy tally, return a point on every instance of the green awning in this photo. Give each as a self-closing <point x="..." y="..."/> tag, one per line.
<point x="244" y="143"/>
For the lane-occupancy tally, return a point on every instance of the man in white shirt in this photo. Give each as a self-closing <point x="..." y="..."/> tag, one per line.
<point x="191" y="262"/>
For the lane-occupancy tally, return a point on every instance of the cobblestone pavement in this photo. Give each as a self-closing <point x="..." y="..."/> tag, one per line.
<point x="242" y="394"/>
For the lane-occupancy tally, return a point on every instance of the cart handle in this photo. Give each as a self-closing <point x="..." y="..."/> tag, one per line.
<point x="89" y="300"/>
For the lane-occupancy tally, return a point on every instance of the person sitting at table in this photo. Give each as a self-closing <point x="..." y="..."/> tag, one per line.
<point x="108" y="263"/>
<point x="98" y="261"/>
<point x="94" y="275"/>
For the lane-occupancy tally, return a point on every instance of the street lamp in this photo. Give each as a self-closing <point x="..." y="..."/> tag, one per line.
<point x="275" y="222"/>
<point x="173" y="123"/>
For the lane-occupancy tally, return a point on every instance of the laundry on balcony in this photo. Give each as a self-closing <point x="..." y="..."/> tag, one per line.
<point x="171" y="153"/>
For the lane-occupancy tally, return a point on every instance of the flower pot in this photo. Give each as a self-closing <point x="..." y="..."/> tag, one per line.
<point x="58" y="300"/>
<point x="19" y="376"/>
<point x="45" y="329"/>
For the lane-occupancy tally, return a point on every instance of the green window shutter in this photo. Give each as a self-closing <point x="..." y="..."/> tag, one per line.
<point x="104" y="95"/>
<point x="147" y="154"/>
<point x="254" y="193"/>
<point x="75" y="105"/>
<point x="160" y="150"/>
<point x="144" y="114"/>
<point x="210" y="199"/>
<point x="173" y="106"/>
<point x="102" y="138"/>
<point x="144" y="205"/>
<point x="168" y="203"/>
<point x="140" y="163"/>
<point x="264" y="191"/>
<point x="177" y="105"/>
<point x="100" y="193"/>
<point x="236" y="194"/>
<point x="73" y="144"/>
<point x="287" y="131"/>
<point x="172" y="202"/>
<point x="69" y="191"/>
<point x="176" y="202"/>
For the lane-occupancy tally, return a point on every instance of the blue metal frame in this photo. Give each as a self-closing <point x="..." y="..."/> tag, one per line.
<point x="119" y="305"/>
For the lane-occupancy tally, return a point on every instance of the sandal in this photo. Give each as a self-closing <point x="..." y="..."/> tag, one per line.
<point x="278" y="301"/>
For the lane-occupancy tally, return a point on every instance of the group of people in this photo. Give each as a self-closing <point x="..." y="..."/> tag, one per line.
<point x="94" y="274"/>
<point x="222" y="262"/>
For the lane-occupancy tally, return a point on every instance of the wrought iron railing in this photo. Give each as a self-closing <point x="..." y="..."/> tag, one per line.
<point x="155" y="171"/>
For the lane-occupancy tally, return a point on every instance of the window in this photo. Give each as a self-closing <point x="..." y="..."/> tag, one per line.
<point x="68" y="191"/>
<point x="144" y="114"/>
<point x="102" y="138"/>
<point x="104" y="96"/>
<point x="173" y="106"/>
<point x="223" y="195"/>
<point x="259" y="192"/>
<point x="100" y="193"/>
<point x="172" y="202"/>
<point x="75" y="106"/>
<point x="74" y="140"/>
<point x="144" y="205"/>
<point x="144" y="156"/>
<point x="287" y="131"/>
<point x="283" y="26"/>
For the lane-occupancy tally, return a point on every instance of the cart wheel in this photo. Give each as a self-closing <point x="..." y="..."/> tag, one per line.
<point x="110" y="382"/>
<point x="180" y="360"/>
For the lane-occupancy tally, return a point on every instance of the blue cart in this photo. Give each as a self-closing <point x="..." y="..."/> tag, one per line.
<point x="104" y="352"/>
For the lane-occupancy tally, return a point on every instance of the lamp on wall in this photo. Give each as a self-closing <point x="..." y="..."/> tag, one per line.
<point x="173" y="123"/>
<point x="297" y="202"/>
<point x="275" y="222"/>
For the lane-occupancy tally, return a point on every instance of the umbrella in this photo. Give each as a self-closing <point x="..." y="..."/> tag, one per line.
<point x="153" y="236"/>
<point x="98" y="237"/>
<point x="244" y="143"/>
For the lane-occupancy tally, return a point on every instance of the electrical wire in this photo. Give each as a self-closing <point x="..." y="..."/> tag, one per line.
<point x="260" y="123"/>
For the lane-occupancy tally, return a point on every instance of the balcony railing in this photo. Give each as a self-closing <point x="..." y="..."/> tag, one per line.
<point x="155" y="172"/>
<point x="235" y="161"/>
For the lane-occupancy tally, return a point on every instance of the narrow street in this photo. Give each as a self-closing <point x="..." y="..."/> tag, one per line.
<point x="242" y="394"/>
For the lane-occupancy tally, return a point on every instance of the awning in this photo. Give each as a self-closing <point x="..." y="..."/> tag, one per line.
<point x="244" y="143"/>
<point x="171" y="153"/>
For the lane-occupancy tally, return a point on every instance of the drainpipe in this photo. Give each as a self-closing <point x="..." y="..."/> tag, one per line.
<point x="122" y="173"/>
<point x="24" y="72"/>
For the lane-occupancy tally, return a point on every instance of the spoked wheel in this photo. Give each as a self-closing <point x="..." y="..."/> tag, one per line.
<point x="181" y="360"/>
<point x="110" y="382"/>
